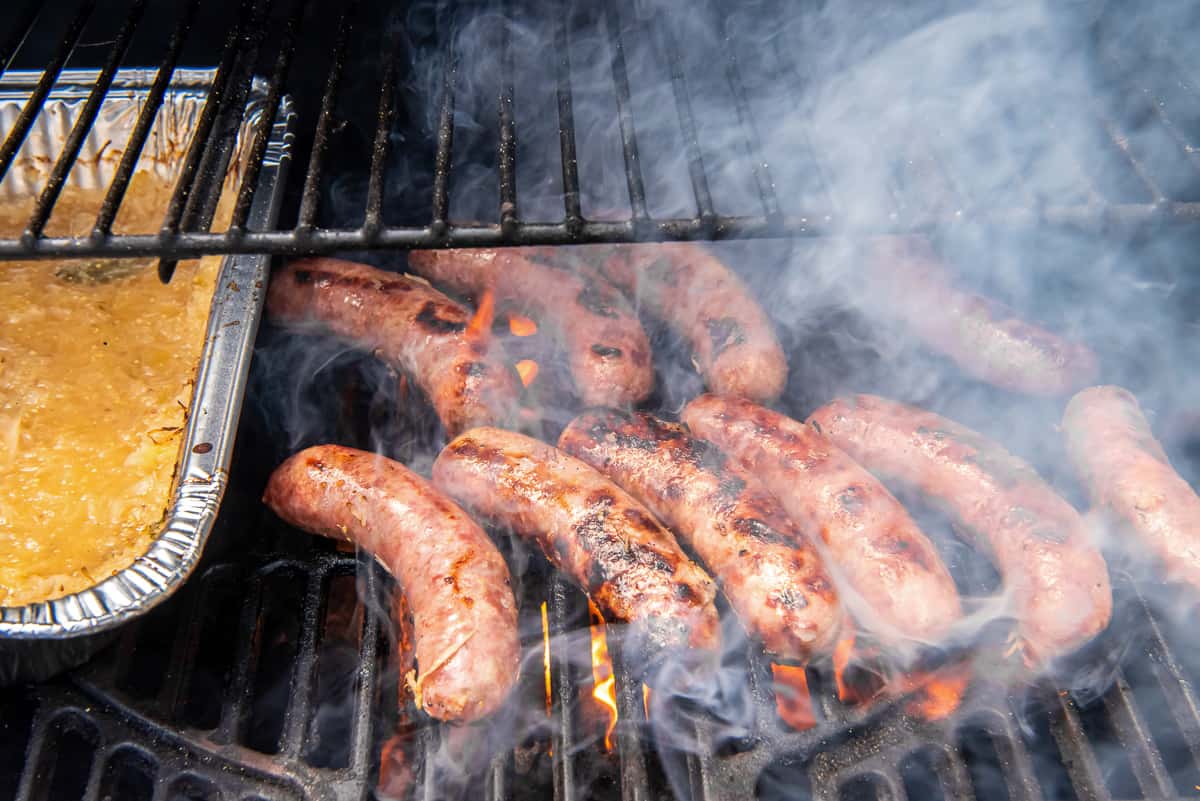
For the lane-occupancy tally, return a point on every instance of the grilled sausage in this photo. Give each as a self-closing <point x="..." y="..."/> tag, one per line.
<point x="1127" y="473"/>
<point x="1058" y="580"/>
<point x="607" y="349"/>
<point x="884" y="556"/>
<point x="456" y="582"/>
<point x="771" y="573"/>
<point x="702" y="300"/>
<point x="409" y="324"/>
<point x="589" y="529"/>
<point x="986" y="339"/>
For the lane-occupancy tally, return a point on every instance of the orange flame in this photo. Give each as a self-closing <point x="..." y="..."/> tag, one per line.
<point x="481" y="321"/>
<point x="646" y="701"/>
<point x="527" y="369"/>
<point x="793" y="701"/>
<point x="546" y="658"/>
<point x="941" y="694"/>
<point x="604" y="685"/>
<point x="841" y="660"/>
<point x="521" y="326"/>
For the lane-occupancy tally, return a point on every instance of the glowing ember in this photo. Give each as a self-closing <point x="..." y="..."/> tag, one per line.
<point x="841" y="660"/>
<point x="546" y="657"/>
<point x="604" y="686"/>
<point x="941" y="694"/>
<point x="646" y="701"/>
<point x="481" y="322"/>
<point x="521" y="326"/>
<point x="527" y="369"/>
<point x="793" y="701"/>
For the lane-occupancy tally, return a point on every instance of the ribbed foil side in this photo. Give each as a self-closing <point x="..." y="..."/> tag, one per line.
<point x="233" y="319"/>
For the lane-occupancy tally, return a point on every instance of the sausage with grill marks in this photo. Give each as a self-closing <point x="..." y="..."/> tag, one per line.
<point x="770" y="571"/>
<point x="457" y="584"/>
<point x="409" y="324"/>
<point x="607" y="349"/>
<point x="685" y="285"/>
<point x="884" y="556"/>
<point x="1127" y="473"/>
<point x="1058" y="579"/>
<point x="588" y="528"/>
<point x="985" y="338"/>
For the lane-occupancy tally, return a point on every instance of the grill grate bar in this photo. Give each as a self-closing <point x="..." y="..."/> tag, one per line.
<point x="368" y="684"/>
<point x="200" y="139"/>
<point x="508" y="136"/>
<point x="296" y="716"/>
<point x="1135" y="736"/>
<point x="1078" y="757"/>
<point x="43" y="720"/>
<point x="633" y="162"/>
<point x="562" y="683"/>
<point x="79" y="132"/>
<point x="311" y="194"/>
<point x="687" y="124"/>
<point x="1122" y="144"/>
<point x="635" y="785"/>
<point x="1177" y="689"/>
<point x="445" y="146"/>
<point x="381" y="147"/>
<point x="16" y="136"/>
<point x="145" y="121"/>
<point x="566" y="126"/>
<point x="283" y="63"/>
<point x="1019" y="776"/>
<point x="23" y="25"/>
<point x="245" y="662"/>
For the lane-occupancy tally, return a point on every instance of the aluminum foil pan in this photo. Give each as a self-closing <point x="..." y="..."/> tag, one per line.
<point x="202" y="471"/>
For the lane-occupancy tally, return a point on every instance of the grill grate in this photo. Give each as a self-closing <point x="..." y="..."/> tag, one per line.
<point x="265" y="37"/>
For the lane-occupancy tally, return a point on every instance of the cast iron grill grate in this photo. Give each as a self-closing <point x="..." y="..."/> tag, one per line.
<point x="362" y="54"/>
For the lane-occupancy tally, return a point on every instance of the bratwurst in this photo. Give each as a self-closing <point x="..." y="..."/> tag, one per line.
<point x="1058" y="580"/>
<point x="589" y="529"/>
<point x="408" y="324"/>
<point x="907" y="282"/>
<point x="457" y="584"/>
<point x="872" y="541"/>
<point x="769" y="570"/>
<point x="1127" y="473"/>
<point x="607" y="349"/>
<point x="701" y="299"/>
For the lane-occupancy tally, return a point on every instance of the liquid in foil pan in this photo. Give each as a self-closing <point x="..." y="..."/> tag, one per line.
<point x="202" y="471"/>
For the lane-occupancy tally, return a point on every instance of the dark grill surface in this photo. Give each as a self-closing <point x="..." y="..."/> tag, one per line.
<point x="356" y="69"/>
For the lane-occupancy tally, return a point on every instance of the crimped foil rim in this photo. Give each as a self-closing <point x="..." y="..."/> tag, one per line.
<point x="202" y="471"/>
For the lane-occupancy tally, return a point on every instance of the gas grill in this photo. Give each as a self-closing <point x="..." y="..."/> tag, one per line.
<point x="273" y="673"/>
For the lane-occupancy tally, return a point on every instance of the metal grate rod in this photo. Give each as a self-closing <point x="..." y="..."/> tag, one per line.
<point x="23" y="25"/>
<point x="687" y="124"/>
<point x="296" y="715"/>
<point x="445" y="145"/>
<point x="79" y="132"/>
<point x="633" y="162"/>
<point x="200" y="138"/>
<point x="283" y="63"/>
<point x="33" y="106"/>
<point x="566" y="124"/>
<point x="381" y="147"/>
<point x="508" y="135"/>
<point x="145" y="121"/>
<point x="310" y="198"/>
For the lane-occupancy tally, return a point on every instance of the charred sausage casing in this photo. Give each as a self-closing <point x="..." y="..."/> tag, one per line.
<point x="409" y="324"/>
<point x="607" y="349"/>
<point x="770" y="571"/>
<point x="701" y="299"/>
<point x="985" y="338"/>
<point x="456" y="582"/>
<point x="872" y="541"/>
<point x="1057" y="578"/>
<point x="1127" y="473"/>
<point x="589" y="529"/>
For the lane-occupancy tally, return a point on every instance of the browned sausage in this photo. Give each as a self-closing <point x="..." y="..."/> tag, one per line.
<point x="607" y="349"/>
<point x="1127" y="473"/>
<point x="456" y="582"/>
<point x="409" y="324"/>
<point x="884" y="556"/>
<point x="589" y="529"/>
<point x="1057" y="579"/>
<point x="771" y="573"/>
<point x="986" y="339"/>
<point x="704" y="301"/>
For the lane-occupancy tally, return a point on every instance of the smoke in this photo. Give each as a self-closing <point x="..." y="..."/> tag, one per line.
<point x="947" y="117"/>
